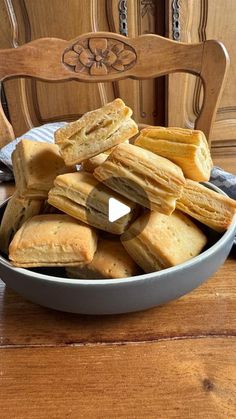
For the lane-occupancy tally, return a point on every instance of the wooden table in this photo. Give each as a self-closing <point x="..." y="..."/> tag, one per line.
<point x="174" y="361"/>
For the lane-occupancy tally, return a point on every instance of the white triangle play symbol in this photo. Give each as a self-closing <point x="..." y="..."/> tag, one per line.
<point x="117" y="209"/>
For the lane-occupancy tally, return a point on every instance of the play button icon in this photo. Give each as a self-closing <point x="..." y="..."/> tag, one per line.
<point x="116" y="209"/>
<point x="110" y="211"/>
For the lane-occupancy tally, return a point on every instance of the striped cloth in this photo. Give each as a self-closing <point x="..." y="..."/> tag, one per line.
<point x="45" y="133"/>
<point x="224" y="180"/>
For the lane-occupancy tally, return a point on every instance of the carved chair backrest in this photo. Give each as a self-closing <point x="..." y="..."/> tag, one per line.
<point x="105" y="56"/>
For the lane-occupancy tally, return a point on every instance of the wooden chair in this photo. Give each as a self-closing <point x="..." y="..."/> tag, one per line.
<point x="105" y="56"/>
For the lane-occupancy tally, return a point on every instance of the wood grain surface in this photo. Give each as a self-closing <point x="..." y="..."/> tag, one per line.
<point x="189" y="378"/>
<point x="175" y="361"/>
<point x="210" y="310"/>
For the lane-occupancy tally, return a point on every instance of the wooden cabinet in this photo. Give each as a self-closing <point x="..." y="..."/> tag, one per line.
<point x="194" y="21"/>
<point x="33" y="102"/>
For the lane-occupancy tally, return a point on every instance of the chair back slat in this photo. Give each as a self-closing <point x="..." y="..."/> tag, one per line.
<point x="105" y="56"/>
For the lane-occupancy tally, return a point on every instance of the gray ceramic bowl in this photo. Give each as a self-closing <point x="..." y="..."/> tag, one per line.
<point x="110" y="296"/>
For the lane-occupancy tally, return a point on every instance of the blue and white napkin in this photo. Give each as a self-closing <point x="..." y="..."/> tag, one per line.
<point x="224" y="180"/>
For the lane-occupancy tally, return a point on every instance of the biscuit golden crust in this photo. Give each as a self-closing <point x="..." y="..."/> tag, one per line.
<point x="83" y="197"/>
<point x="44" y="240"/>
<point x="35" y="166"/>
<point x="187" y="148"/>
<point x="110" y="261"/>
<point x="159" y="179"/>
<point x="91" y="164"/>
<point x="18" y="211"/>
<point x="207" y="206"/>
<point x="96" y="132"/>
<point x="156" y="241"/>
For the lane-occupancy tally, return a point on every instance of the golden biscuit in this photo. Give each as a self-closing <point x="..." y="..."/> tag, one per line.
<point x="52" y="240"/>
<point x="91" y="164"/>
<point x="142" y="176"/>
<point x="35" y="167"/>
<point x="209" y="207"/>
<point x="185" y="147"/>
<point x="18" y="211"/>
<point x="95" y="132"/>
<point x="156" y="241"/>
<point x="110" y="261"/>
<point x="83" y="197"/>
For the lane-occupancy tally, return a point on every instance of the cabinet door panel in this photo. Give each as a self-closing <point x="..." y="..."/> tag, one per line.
<point x="39" y="102"/>
<point x="200" y="20"/>
<point x="33" y="102"/>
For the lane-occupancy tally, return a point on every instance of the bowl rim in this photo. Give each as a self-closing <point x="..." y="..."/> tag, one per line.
<point x="133" y="279"/>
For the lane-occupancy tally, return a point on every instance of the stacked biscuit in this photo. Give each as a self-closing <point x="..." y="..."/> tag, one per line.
<point x="34" y="233"/>
<point x="35" y="166"/>
<point x="157" y="178"/>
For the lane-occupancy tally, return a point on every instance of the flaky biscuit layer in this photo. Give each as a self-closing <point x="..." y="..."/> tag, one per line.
<point x="130" y="170"/>
<point x="83" y="197"/>
<point x="96" y="132"/>
<point x="209" y="207"/>
<point x="187" y="148"/>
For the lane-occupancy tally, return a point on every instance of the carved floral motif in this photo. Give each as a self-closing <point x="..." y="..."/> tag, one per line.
<point x="99" y="56"/>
